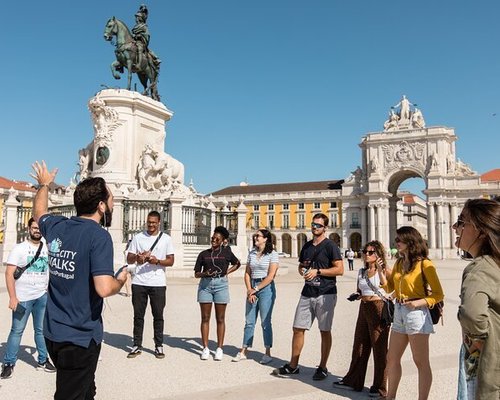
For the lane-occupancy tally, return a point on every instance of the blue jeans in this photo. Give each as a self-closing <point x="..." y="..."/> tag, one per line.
<point x="37" y="309"/>
<point x="263" y="306"/>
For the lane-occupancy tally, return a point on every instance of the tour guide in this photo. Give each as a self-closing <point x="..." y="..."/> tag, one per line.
<point x="81" y="274"/>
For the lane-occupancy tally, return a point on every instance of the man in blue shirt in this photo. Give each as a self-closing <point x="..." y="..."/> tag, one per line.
<point x="81" y="275"/>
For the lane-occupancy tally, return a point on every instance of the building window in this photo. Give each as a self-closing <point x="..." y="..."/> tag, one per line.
<point x="271" y="221"/>
<point x="286" y="206"/>
<point x="256" y="207"/>
<point x="256" y="222"/>
<point x="333" y="220"/>
<point x="409" y="217"/>
<point x="409" y="209"/>
<point x="355" y="221"/>
<point x="333" y="204"/>
<point x="270" y="207"/>
<point x="317" y="205"/>
<point x="301" y="221"/>
<point x="286" y="221"/>
<point x="301" y="206"/>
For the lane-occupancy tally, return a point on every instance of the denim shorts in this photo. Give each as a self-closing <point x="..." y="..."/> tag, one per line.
<point x="411" y="322"/>
<point x="213" y="290"/>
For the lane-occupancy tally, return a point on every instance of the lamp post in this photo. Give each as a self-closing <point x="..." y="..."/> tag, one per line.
<point x="441" y="241"/>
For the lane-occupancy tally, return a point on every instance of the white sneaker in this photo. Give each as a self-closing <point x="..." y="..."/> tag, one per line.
<point x="265" y="359"/>
<point x="239" y="357"/>
<point x="205" y="354"/>
<point x="218" y="354"/>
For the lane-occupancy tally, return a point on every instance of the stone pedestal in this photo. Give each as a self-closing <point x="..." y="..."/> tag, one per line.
<point x="124" y="123"/>
<point x="10" y="232"/>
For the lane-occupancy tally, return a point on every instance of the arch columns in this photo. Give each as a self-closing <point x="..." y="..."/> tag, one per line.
<point x="371" y="213"/>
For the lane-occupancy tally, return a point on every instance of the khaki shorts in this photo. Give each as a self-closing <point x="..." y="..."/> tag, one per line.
<point x="309" y="308"/>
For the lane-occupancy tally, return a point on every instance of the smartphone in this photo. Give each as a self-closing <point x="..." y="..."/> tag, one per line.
<point x="20" y="309"/>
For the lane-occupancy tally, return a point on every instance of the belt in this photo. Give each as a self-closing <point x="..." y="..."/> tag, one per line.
<point x="370" y="298"/>
<point x="258" y="279"/>
<point x="402" y="301"/>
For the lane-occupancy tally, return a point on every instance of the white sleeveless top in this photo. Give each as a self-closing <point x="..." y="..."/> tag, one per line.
<point x="363" y="286"/>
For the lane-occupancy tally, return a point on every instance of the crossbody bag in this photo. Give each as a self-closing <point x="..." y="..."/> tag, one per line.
<point x="20" y="270"/>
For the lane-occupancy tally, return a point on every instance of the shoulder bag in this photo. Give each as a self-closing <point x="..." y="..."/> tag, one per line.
<point x="437" y="310"/>
<point x="388" y="309"/>
<point x="20" y="270"/>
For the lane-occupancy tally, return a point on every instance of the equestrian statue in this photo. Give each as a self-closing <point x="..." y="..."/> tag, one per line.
<point x="132" y="52"/>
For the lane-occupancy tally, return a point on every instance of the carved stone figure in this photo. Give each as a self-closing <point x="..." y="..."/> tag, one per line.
<point x="433" y="162"/>
<point x="133" y="53"/>
<point x="404" y="112"/>
<point x="374" y="166"/>
<point x="391" y="123"/>
<point x="101" y="155"/>
<point x="105" y="120"/>
<point x="417" y="119"/>
<point x="83" y="164"/>
<point x="159" y="171"/>
<point x="463" y="169"/>
<point x="450" y="164"/>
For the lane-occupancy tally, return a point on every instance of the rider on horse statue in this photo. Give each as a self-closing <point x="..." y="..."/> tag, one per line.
<point x="141" y="35"/>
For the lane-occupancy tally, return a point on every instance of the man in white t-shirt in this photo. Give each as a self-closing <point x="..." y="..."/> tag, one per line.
<point x="152" y="251"/>
<point x="350" y="259"/>
<point x="27" y="295"/>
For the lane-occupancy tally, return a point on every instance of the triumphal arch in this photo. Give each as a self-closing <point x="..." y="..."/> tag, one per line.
<point x="407" y="148"/>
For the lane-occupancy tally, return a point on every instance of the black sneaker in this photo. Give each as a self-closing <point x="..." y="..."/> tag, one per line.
<point x="7" y="370"/>
<point x="159" y="352"/>
<point x="285" y="370"/>
<point x="136" y="351"/>
<point x="47" y="366"/>
<point x="320" y="374"/>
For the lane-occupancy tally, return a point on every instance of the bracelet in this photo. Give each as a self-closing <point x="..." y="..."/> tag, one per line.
<point x="43" y="185"/>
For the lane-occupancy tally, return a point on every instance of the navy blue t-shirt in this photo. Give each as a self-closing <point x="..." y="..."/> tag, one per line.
<point x="322" y="256"/>
<point x="79" y="249"/>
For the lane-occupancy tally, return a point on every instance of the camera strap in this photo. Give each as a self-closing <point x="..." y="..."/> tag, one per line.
<point x="156" y="242"/>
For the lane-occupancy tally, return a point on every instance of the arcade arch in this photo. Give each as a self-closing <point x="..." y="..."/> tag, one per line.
<point x="406" y="149"/>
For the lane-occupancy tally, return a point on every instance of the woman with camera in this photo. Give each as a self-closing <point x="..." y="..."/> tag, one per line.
<point x="412" y="320"/>
<point x="371" y="332"/>
<point x="478" y="233"/>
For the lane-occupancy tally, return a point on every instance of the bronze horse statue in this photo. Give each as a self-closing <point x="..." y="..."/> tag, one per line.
<point x="126" y="57"/>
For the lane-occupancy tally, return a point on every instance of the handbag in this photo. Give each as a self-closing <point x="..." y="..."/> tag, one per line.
<point x="436" y="311"/>
<point x="20" y="270"/>
<point x="387" y="315"/>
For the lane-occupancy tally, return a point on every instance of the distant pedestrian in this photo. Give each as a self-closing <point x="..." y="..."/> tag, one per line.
<point x="262" y="265"/>
<point x="212" y="267"/>
<point x="320" y="262"/>
<point x="27" y="296"/>
<point x="152" y="251"/>
<point x="350" y="259"/>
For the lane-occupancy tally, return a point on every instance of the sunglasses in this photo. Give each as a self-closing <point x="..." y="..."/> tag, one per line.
<point x="398" y="240"/>
<point x="258" y="236"/>
<point x="316" y="226"/>
<point x="369" y="252"/>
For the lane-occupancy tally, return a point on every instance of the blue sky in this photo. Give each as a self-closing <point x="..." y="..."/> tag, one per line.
<point x="265" y="91"/>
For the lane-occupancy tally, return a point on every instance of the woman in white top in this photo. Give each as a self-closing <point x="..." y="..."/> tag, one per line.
<point x="261" y="268"/>
<point x="371" y="332"/>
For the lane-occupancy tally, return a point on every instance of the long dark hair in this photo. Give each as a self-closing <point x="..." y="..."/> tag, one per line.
<point x="268" y="248"/>
<point x="484" y="214"/>
<point x="379" y="250"/>
<point x="416" y="247"/>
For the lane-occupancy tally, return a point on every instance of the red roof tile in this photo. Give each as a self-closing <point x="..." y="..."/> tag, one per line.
<point x="18" y="185"/>
<point x="491" y="176"/>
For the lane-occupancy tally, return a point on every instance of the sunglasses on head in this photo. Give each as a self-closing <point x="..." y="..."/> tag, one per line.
<point x="369" y="252"/>
<point x="317" y="226"/>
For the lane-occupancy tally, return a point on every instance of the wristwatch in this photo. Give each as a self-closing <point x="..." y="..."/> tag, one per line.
<point x="256" y="288"/>
<point x="318" y="271"/>
<point x="157" y="262"/>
